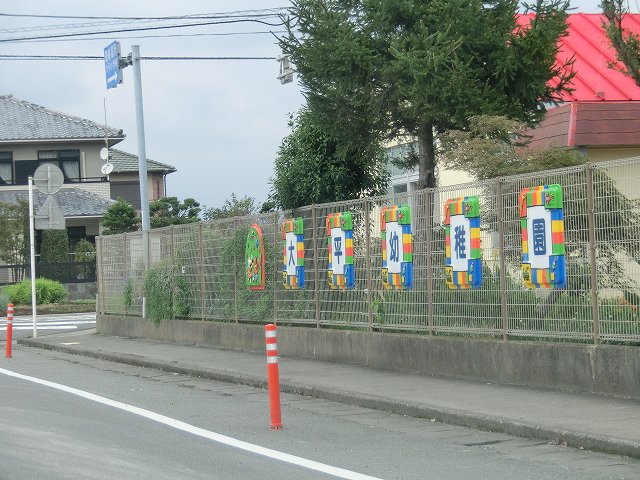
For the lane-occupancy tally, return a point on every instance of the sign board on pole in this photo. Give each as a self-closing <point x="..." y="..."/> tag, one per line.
<point x="49" y="217"/>
<point x="48" y="178"/>
<point x="112" y="67"/>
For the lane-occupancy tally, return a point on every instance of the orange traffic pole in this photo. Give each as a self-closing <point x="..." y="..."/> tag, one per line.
<point x="7" y="352"/>
<point x="273" y="376"/>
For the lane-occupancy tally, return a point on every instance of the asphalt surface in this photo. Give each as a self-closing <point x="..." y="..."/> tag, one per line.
<point x="585" y="421"/>
<point x="64" y="430"/>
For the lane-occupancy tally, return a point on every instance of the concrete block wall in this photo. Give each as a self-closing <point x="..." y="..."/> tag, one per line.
<point x="602" y="369"/>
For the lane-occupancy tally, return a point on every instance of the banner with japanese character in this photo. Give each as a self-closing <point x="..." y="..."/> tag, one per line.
<point x="293" y="254"/>
<point x="339" y="228"/>
<point x="397" y="247"/>
<point x="543" y="246"/>
<point x="463" y="259"/>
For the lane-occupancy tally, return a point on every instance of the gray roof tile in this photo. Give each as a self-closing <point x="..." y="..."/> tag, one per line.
<point x="73" y="202"/>
<point x="128" y="162"/>
<point x="20" y="120"/>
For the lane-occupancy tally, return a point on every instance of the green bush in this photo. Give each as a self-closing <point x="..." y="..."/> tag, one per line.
<point x="47" y="291"/>
<point x="85" y="251"/>
<point x="127" y="294"/>
<point x="167" y="295"/>
<point x="54" y="250"/>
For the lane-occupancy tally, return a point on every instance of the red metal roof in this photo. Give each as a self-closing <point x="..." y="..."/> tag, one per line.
<point x="588" y="43"/>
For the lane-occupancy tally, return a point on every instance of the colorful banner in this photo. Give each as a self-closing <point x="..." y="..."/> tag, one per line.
<point x="543" y="247"/>
<point x="293" y="254"/>
<point x="463" y="260"/>
<point x="397" y="247"/>
<point x="339" y="227"/>
<point x="254" y="259"/>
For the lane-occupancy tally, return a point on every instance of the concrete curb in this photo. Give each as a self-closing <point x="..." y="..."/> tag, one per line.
<point x="464" y="418"/>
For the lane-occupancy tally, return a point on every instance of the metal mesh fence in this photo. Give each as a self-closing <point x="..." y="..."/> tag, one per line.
<point x="203" y="265"/>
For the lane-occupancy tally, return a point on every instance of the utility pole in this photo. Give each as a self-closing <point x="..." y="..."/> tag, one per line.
<point x="113" y="71"/>
<point x="142" y="152"/>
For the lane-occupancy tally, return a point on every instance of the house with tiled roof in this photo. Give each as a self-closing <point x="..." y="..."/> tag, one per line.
<point x="125" y="180"/>
<point x="32" y="135"/>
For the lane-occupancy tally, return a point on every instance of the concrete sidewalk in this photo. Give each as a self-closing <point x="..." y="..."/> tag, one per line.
<point x="580" y="420"/>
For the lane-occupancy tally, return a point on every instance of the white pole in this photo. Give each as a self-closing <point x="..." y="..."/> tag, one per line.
<point x="142" y="158"/>
<point x="32" y="243"/>
<point x="142" y="152"/>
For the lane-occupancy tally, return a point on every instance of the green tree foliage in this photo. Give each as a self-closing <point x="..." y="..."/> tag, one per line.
<point x="626" y="43"/>
<point x="313" y="166"/>
<point x="85" y="251"/>
<point x="120" y="217"/>
<point x="167" y="293"/>
<point x="389" y="67"/>
<point x="495" y="146"/>
<point x="170" y="211"/>
<point x="234" y="207"/>
<point x="55" y="246"/>
<point x="14" y="236"/>
<point x="54" y="251"/>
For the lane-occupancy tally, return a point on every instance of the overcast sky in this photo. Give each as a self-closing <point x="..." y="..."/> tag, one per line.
<point x="218" y="122"/>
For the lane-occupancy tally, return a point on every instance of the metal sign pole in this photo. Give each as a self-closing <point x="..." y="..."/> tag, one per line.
<point x="33" y="258"/>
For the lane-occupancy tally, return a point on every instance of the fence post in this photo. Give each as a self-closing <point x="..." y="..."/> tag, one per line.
<point x="99" y="282"/>
<point x="591" y="221"/>
<point x="202" y="271"/>
<point x="125" y="268"/>
<point x="367" y="254"/>
<point x="174" y="266"/>
<point x="316" y="274"/>
<point x="502" y="260"/>
<point x="234" y="229"/>
<point x="429" y="204"/>
<point x="276" y="243"/>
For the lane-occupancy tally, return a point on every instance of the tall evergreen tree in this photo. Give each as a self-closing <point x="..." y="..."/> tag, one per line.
<point x="314" y="166"/>
<point x="382" y="68"/>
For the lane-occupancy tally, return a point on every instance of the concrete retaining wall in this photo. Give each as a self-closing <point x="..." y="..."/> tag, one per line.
<point x="604" y="369"/>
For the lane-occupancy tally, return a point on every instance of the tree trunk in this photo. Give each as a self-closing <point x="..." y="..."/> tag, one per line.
<point x="426" y="157"/>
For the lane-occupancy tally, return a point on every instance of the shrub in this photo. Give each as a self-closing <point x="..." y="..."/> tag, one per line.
<point x="54" y="251"/>
<point x="47" y="291"/>
<point x="127" y="294"/>
<point x="166" y="297"/>
<point x="85" y="251"/>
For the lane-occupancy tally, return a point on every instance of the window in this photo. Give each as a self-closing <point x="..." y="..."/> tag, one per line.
<point x="67" y="160"/>
<point x="6" y="168"/>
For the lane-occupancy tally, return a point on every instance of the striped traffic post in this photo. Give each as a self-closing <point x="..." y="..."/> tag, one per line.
<point x="9" y="337"/>
<point x="273" y="376"/>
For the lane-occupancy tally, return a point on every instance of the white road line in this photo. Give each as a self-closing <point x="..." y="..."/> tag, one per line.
<point x="216" y="437"/>
<point x="57" y="322"/>
<point x="48" y="325"/>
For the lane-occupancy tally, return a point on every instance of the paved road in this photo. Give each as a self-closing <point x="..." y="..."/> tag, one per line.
<point x="47" y="324"/>
<point x="52" y="433"/>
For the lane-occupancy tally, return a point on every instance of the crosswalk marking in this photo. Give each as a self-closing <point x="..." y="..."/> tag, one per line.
<point x="52" y="322"/>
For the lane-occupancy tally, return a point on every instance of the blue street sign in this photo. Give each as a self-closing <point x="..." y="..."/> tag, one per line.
<point x="112" y="67"/>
